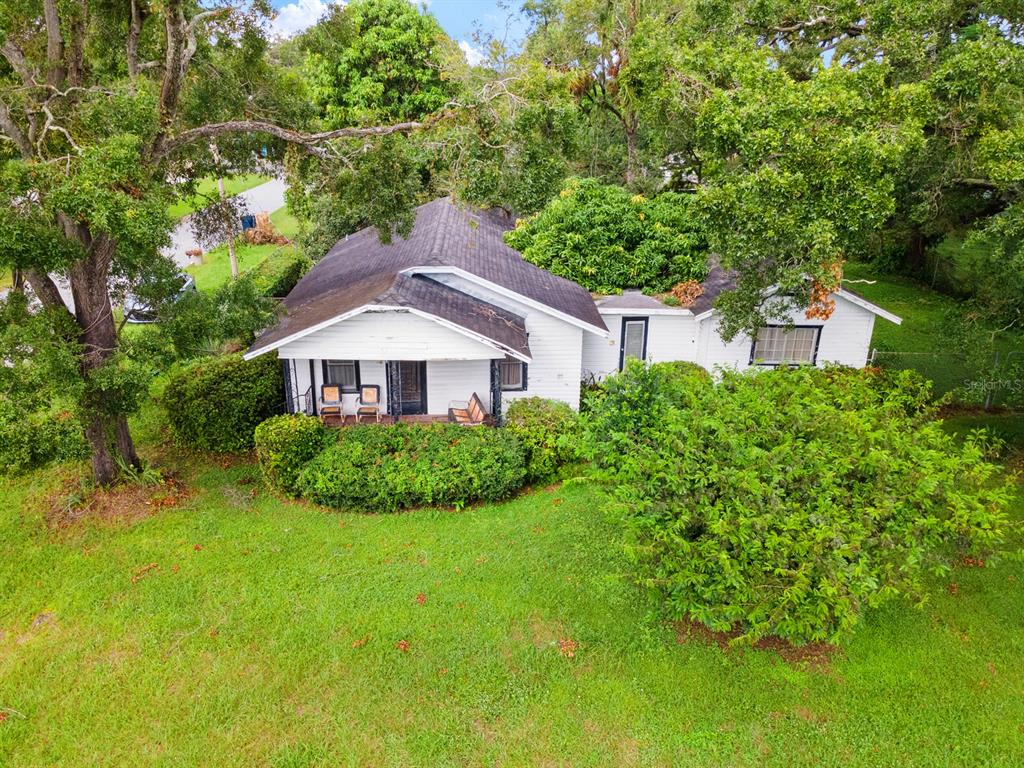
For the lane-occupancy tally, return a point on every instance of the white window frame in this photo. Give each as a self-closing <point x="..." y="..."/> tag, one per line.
<point x="328" y="375"/>
<point x="782" y="345"/>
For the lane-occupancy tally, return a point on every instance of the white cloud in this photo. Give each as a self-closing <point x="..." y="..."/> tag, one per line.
<point x="299" y="15"/>
<point x="473" y="55"/>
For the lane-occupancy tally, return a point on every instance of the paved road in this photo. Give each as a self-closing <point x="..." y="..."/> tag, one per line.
<point x="266" y="197"/>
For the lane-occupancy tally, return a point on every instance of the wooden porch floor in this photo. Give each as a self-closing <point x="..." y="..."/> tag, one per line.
<point x="348" y="419"/>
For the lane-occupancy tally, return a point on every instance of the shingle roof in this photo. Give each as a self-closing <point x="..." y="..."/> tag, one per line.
<point x="629" y="300"/>
<point x="361" y="270"/>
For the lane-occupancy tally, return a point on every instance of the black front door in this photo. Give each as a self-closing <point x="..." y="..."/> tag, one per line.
<point x="412" y="387"/>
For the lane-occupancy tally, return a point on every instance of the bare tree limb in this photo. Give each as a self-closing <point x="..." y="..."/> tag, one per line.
<point x="309" y="140"/>
<point x="13" y="132"/>
<point x="46" y="290"/>
<point x="16" y="58"/>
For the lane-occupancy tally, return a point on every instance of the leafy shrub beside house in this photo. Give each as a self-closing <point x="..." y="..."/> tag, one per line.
<point x="547" y="430"/>
<point x="787" y="502"/>
<point x="216" y="403"/>
<point x="285" y="444"/>
<point x="385" y="469"/>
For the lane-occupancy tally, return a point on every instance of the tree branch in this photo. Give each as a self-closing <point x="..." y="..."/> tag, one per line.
<point x="134" y="33"/>
<point x="308" y="140"/>
<point x="16" y="58"/>
<point x="55" y="68"/>
<point x="13" y="132"/>
<point x="46" y="290"/>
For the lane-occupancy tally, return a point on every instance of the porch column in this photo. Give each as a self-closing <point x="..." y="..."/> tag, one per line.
<point x="496" y="391"/>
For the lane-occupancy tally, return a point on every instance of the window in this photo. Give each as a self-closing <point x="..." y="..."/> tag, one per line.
<point x="634" y="340"/>
<point x="344" y="373"/>
<point x="775" y="345"/>
<point x="512" y="374"/>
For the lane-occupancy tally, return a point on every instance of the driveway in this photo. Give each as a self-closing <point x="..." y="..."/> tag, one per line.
<point x="266" y="197"/>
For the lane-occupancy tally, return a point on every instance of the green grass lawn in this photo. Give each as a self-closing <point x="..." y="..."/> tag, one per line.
<point x="922" y="341"/>
<point x="216" y="267"/>
<point x="208" y="186"/>
<point x="236" y="629"/>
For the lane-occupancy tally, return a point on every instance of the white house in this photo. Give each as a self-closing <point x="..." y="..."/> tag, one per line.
<point x="452" y="311"/>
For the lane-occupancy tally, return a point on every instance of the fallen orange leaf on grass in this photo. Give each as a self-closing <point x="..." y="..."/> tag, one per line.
<point x="361" y="642"/>
<point x="421" y="598"/>
<point x="402" y="645"/>
<point x="141" y="572"/>
<point x="567" y="647"/>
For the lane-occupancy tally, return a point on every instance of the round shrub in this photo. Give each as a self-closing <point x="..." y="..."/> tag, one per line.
<point x="285" y="444"/>
<point x="37" y="439"/>
<point x="547" y="431"/>
<point x="279" y="272"/>
<point x="786" y="503"/>
<point x="215" y="404"/>
<point x="384" y="469"/>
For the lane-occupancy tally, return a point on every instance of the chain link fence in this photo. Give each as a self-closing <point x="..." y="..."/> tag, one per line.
<point x="988" y="381"/>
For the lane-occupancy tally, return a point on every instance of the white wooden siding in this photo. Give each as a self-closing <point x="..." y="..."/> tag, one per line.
<point x="845" y="339"/>
<point x="387" y="335"/>
<point x="669" y="337"/>
<point x="457" y="380"/>
<point x="557" y="351"/>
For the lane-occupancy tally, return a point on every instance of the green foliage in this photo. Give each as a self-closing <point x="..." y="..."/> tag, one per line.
<point x="30" y="441"/>
<point x="285" y="444"/>
<point x="377" y="61"/>
<point x="787" y="502"/>
<point x="277" y="274"/>
<point x="547" y="430"/>
<point x="388" y="469"/>
<point x="606" y="239"/>
<point x="216" y="404"/>
<point x="201" y="322"/>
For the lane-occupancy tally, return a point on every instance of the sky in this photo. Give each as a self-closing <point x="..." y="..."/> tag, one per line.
<point x="459" y="18"/>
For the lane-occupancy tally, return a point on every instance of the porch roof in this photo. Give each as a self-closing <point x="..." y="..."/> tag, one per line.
<point x="418" y="293"/>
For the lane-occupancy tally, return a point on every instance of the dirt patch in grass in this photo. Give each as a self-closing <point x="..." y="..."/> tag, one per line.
<point x="816" y="656"/>
<point x="71" y="505"/>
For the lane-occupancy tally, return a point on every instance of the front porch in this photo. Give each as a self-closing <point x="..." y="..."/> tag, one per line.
<point x="410" y="391"/>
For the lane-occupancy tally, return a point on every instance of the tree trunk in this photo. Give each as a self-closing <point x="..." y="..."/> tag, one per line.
<point x="232" y="257"/>
<point x="629" y="127"/>
<point x="108" y="435"/>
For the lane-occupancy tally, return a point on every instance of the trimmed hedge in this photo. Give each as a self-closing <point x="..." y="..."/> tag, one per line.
<point x="285" y="444"/>
<point x="38" y="439"/>
<point x="215" y="404"/>
<point x="384" y="469"/>
<point x="548" y="431"/>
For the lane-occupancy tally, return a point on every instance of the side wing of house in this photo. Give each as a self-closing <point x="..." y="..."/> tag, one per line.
<point x="843" y="339"/>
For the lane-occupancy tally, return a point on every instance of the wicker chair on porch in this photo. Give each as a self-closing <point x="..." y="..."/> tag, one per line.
<point x="369" y="402"/>
<point x="330" y="402"/>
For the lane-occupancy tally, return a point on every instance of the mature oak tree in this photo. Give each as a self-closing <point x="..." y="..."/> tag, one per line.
<point x="102" y="105"/>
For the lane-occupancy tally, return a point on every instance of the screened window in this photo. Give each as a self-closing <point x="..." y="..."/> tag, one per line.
<point x="634" y="340"/>
<point x="513" y="374"/>
<point x="777" y="346"/>
<point x="344" y="373"/>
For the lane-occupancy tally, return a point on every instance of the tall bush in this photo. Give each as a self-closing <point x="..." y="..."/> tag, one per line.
<point x="406" y="465"/>
<point x="786" y="503"/>
<point x="216" y="403"/>
<point x="547" y="430"/>
<point x="605" y="238"/>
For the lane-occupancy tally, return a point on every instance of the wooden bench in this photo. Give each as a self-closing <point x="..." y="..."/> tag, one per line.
<point x="469" y="414"/>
